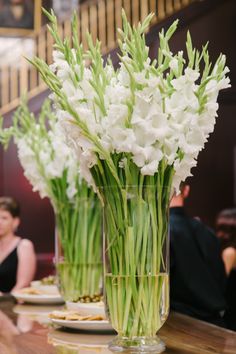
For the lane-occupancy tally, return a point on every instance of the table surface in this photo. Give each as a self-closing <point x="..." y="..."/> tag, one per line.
<point x="26" y="329"/>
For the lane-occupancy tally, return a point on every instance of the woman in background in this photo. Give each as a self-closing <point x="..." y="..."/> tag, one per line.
<point x="226" y="231"/>
<point x="17" y="256"/>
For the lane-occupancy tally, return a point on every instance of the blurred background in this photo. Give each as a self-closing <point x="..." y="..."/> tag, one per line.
<point x="23" y="33"/>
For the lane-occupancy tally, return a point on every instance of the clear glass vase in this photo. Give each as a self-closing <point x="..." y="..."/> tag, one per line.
<point x="136" y="265"/>
<point x="79" y="282"/>
<point x="78" y="250"/>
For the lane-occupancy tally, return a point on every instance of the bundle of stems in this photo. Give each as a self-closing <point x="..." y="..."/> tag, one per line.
<point x="79" y="260"/>
<point x="136" y="251"/>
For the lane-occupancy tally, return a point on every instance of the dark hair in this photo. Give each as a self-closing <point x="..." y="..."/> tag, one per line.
<point x="227" y="214"/>
<point x="9" y="204"/>
<point x="226" y="227"/>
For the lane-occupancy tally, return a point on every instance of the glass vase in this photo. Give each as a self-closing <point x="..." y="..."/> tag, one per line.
<point x="79" y="282"/>
<point x="136" y="265"/>
<point x="78" y="250"/>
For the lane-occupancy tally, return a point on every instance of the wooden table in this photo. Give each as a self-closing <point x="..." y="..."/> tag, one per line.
<point x="182" y="335"/>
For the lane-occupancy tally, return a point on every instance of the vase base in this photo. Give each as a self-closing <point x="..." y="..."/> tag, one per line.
<point x="137" y="345"/>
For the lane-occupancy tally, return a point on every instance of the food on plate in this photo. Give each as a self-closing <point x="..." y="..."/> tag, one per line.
<point x="50" y="280"/>
<point x="74" y="316"/>
<point x="88" y="298"/>
<point x="30" y="291"/>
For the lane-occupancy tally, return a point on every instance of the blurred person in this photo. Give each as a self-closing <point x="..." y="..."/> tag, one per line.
<point x="17" y="256"/>
<point x="197" y="275"/>
<point x="226" y="231"/>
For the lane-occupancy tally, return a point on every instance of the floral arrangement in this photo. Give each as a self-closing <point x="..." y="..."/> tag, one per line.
<point x="53" y="170"/>
<point x="156" y="113"/>
<point x="137" y="131"/>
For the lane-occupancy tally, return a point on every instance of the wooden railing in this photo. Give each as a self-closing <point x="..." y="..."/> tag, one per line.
<point x="101" y="18"/>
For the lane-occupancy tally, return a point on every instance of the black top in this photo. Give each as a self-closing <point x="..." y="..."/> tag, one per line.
<point x="197" y="275"/>
<point x="231" y="301"/>
<point x="8" y="271"/>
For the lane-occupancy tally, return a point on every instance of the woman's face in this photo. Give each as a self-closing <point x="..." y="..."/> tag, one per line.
<point x="8" y="223"/>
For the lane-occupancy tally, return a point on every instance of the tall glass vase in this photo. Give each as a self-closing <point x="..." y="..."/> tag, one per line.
<point x="136" y="263"/>
<point x="79" y="249"/>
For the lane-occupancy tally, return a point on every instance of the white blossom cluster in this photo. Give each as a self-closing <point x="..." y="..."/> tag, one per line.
<point x="159" y="113"/>
<point x="45" y="157"/>
<point x="167" y="119"/>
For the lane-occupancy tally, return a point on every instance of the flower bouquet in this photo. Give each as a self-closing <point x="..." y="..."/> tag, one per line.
<point x="137" y="131"/>
<point x="53" y="170"/>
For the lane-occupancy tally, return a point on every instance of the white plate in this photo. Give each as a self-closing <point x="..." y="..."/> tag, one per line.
<point x="36" y="313"/>
<point x="34" y="310"/>
<point x="91" y="308"/>
<point x="103" y="325"/>
<point x="82" y="339"/>
<point x="38" y="299"/>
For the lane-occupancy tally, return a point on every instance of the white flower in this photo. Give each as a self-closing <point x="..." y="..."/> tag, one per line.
<point x="174" y="64"/>
<point x="152" y="115"/>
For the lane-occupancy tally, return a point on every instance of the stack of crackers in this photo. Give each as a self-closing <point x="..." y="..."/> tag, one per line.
<point x="31" y="291"/>
<point x="74" y="316"/>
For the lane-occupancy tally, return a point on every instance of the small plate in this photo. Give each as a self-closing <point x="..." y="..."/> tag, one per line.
<point x="48" y="289"/>
<point x="34" y="310"/>
<point x="38" y="299"/>
<point x="36" y="313"/>
<point x="103" y="325"/>
<point x="91" y="308"/>
<point x="82" y="339"/>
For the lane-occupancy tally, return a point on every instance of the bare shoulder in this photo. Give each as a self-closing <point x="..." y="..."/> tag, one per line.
<point x="229" y="252"/>
<point x="25" y="245"/>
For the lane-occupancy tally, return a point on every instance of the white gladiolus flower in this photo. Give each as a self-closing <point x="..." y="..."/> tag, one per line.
<point x="46" y="156"/>
<point x="151" y="113"/>
<point x="159" y="125"/>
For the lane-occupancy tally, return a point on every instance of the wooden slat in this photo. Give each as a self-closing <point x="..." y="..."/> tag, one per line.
<point x="4" y="85"/>
<point x="49" y="41"/>
<point x="67" y="29"/>
<point x="153" y="8"/>
<point x="84" y="24"/>
<point x="118" y="19"/>
<point x="135" y="11"/>
<point x="169" y="7"/>
<point x="93" y="21"/>
<point x="144" y="9"/>
<point x="127" y="8"/>
<point x="110" y="25"/>
<point x="41" y="48"/>
<point x="160" y="9"/>
<point x="42" y="45"/>
<point x="177" y="5"/>
<point x="23" y="78"/>
<point x="102" y="23"/>
<point x="13" y="82"/>
<point x="34" y="75"/>
<point x="33" y="78"/>
<point x="185" y="2"/>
